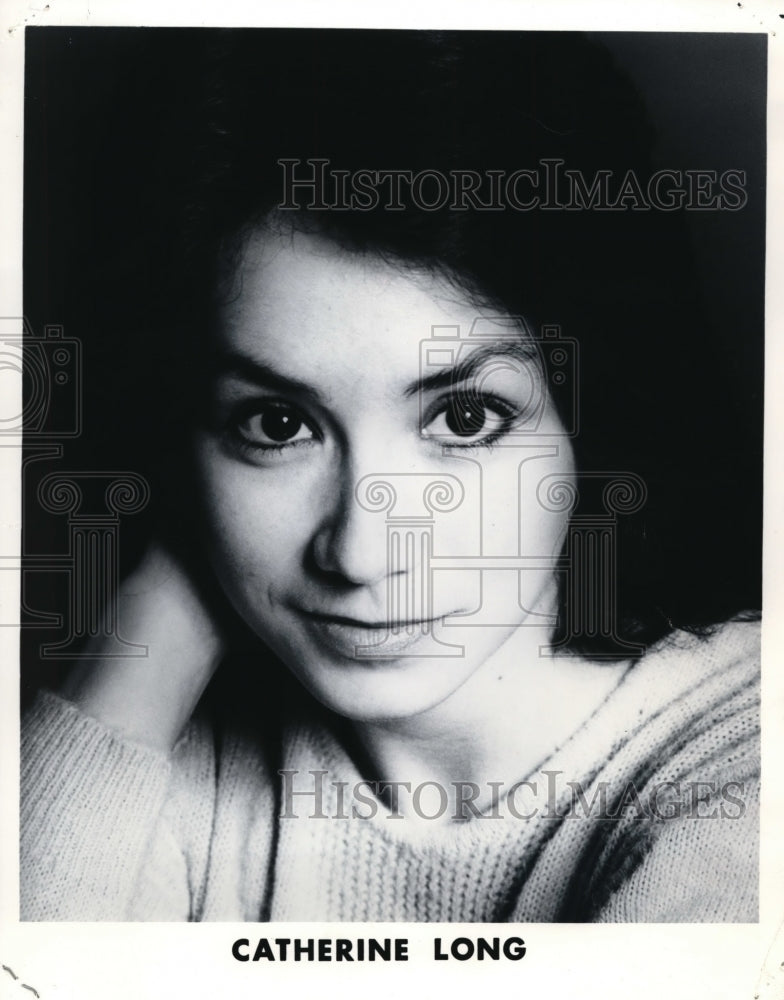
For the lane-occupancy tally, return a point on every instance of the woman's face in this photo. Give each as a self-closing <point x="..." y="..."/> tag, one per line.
<point x="336" y="371"/>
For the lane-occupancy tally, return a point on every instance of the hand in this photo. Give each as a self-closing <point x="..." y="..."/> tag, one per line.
<point x="165" y="607"/>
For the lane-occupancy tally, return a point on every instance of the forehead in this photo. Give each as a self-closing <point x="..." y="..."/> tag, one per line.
<point x="314" y="311"/>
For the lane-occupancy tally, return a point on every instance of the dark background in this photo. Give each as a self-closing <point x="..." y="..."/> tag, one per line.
<point x="92" y="126"/>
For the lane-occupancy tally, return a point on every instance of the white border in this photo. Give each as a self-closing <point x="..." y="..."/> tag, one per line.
<point x="126" y="960"/>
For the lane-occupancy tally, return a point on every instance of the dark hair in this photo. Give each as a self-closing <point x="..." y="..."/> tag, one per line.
<point x="654" y="399"/>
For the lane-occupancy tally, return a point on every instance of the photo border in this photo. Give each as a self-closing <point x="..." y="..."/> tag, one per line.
<point x="93" y="960"/>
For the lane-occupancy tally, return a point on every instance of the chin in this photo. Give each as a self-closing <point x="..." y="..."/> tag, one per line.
<point x="383" y="690"/>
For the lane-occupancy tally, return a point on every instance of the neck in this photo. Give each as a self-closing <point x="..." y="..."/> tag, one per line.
<point x="507" y="719"/>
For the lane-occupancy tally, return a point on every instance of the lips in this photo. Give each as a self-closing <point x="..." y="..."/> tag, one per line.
<point x="355" y="639"/>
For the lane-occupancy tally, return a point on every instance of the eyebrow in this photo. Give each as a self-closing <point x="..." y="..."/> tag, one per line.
<point x="251" y="370"/>
<point x="465" y="369"/>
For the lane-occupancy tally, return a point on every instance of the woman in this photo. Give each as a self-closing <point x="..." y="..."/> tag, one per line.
<point x="388" y="470"/>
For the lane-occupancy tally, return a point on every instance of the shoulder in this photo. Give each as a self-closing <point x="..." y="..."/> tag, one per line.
<point x="684" y="847"/>
<point x="691" y="696"/>
<point x="730" y="645"/>
<point x="662" y="823"/>
<point x="699" y="862"/>
<point x="58" y="737"/>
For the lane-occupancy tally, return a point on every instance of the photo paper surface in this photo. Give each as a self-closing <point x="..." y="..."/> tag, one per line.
<point x="386" y="403"/>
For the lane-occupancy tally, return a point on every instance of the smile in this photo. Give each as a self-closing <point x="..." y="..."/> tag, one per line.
<point x="355" y="639"/>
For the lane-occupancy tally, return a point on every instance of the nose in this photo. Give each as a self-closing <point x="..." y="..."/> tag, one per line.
<point x="351" y="541"/>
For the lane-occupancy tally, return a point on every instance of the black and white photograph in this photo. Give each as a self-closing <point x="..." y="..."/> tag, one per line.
<point x="390" y="476"/>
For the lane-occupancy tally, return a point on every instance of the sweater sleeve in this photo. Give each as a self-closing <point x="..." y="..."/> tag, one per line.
<point x="699" y="868"/>
<point x="90" y="805"/>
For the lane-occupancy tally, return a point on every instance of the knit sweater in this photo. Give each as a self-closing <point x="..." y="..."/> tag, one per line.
<point x="649" y="812"/>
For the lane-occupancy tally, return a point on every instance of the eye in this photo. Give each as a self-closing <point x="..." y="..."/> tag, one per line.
<point x="272" y="425"/>
<point x="468" y="418"/>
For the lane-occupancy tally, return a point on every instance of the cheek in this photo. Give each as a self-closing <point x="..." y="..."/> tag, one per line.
<point x="517" y="514"/>
<point x="257" y="522"/>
